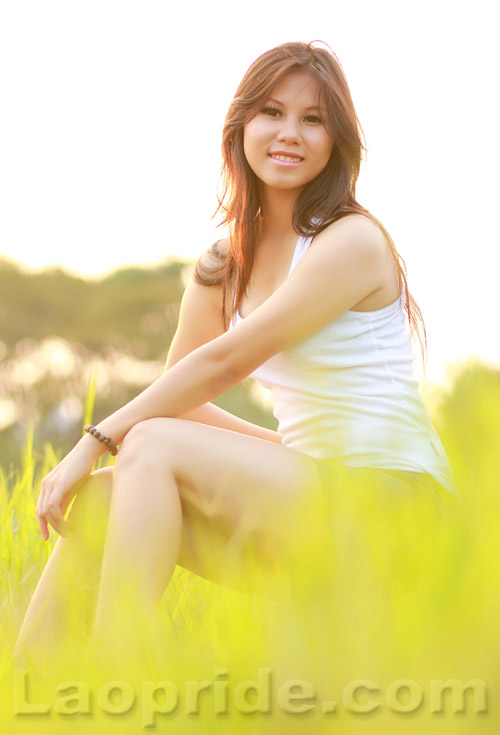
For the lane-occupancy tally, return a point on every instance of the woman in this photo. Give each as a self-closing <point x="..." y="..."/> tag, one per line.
<point x="305" y="294"/>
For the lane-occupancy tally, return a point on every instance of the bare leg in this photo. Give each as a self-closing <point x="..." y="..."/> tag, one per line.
<point x="249" y="488"/>
<point x="141" y="548"/>
<point x="63" y="603"/>
<point x="225" y="527"/>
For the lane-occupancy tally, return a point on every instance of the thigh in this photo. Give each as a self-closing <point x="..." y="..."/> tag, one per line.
<point x="212" y="546"/>
<point x="237" y="492"/>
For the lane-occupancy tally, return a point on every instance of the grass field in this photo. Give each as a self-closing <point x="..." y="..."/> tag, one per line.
<point x="388" y="608"/>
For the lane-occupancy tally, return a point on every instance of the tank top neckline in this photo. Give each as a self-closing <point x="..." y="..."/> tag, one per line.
<point x="292" y="266"/>
<point x="307" y="241"/>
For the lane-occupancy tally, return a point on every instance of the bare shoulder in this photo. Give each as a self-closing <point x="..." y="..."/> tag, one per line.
<point x="200" y="318"/>
<point x="359" y="240"/>
<point x="356" y="246"/>
<point x="355" y="229"/>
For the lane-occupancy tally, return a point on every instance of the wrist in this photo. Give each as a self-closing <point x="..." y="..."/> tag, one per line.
<point x="92" y="446"/>
<point x="102" y="437"/>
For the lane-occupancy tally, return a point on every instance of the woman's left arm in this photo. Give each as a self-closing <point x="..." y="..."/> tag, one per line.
<point x="345" y="264"/>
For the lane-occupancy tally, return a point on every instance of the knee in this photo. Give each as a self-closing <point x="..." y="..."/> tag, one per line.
<point x="148" y="440"/>
<point x="95" y="492"/>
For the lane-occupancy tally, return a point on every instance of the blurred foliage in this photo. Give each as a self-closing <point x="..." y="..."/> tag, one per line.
<point x="139" y="305"/>
<point x="467" y="418"/>
<point x="56" y="328"/>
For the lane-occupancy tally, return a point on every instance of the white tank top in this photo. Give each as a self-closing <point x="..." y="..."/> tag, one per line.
<point x="348" y="392"/>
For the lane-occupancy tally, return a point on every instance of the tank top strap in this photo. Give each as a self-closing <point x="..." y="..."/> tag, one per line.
<point x="301" y="248"/>
<point x="303" y="244"/>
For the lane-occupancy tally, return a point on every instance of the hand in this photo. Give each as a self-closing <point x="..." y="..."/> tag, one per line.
<point x="61" y="484"/>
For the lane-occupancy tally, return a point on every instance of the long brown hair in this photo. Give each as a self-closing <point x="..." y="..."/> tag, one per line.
<point x="327" y="198"/>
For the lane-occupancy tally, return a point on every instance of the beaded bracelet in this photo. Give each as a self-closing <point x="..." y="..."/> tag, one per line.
<point x="112" y="448"/>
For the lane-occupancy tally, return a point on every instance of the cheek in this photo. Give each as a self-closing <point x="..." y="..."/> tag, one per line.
<point x="254" y="141"/>
<point x="324" y="153"/>
<point x="325" y="144"/>
<point x="248" y="140"/>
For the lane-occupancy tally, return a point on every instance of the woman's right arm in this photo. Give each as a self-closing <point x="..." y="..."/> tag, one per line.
<point x="200" y="321"/>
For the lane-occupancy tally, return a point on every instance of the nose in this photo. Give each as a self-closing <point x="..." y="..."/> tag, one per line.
<point x="289" y="130"/>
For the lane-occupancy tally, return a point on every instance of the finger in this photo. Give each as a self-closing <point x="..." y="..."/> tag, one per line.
<point x="51" y="521"/>
<point x="42" y="522"/>
<point x="51" y="513"/>
<point x="55" y="523"/>
<point x="43" y="526"/>
<point x="65" y="503"/>
<point x="58" y="506"/>
<point x="40" y="502"/>
<point x="57" y="517"/>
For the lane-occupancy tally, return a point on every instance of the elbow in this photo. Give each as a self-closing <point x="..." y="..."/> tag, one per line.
<point x="226" y="376"/>
<point x="226" y="369"/>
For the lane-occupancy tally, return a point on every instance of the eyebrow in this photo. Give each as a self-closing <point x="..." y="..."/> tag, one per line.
<point x="311" y="107"/>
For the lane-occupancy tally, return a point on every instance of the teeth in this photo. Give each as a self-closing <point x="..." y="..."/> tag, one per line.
<point x="290" y="159"/>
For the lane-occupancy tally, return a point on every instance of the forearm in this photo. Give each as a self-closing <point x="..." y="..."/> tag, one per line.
<point x="196" y="379"/>
<point x="215" y="416"/>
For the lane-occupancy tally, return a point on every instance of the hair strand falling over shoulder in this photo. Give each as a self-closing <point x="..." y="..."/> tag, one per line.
<point x="327" y="198"/>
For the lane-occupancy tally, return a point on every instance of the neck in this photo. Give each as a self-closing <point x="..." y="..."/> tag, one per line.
<point x="276" y="206"/>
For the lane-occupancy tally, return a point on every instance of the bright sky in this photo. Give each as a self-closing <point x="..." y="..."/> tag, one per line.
<point x="113" y="110"/>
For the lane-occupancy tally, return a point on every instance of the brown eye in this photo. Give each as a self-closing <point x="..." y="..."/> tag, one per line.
<point x="271" y="111"/>
<point x="313" y="118"/>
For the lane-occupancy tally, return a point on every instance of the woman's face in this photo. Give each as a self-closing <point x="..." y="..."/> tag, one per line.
<point x="286" y="144"/>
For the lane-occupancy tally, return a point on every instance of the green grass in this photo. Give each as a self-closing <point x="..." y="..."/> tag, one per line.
<point x="380" y="598"/>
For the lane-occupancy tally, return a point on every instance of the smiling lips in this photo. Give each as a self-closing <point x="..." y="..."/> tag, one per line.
<point x="285" y="158"/>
